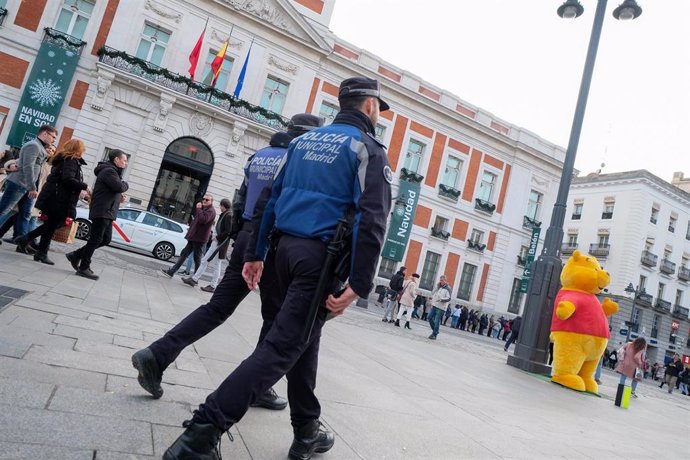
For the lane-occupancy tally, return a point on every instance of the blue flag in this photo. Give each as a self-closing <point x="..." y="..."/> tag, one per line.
<point x="240" y="80"/>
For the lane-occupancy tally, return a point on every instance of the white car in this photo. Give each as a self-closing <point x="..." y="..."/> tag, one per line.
<point x="144" y="232"/>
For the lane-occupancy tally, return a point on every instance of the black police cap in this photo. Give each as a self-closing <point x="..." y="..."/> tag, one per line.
<point x="362" y="86"/>
<point x="304" y="122"/>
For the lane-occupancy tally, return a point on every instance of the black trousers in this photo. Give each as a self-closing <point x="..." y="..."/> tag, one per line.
<point x="46" y="231"/>
<point x="101" y="234"/>
<point x="192" y="247"/>
<point x="298" y="263"/>
<point x="513" y="338"/>
<point x="229" y="293"/>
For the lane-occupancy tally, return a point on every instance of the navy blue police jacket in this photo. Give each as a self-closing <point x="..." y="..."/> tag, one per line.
<point x="329" y="172"/>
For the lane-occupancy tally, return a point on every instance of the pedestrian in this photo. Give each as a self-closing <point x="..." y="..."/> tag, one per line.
<point x="23" y="182"/>
<point x="105" y="202"/>
<point x="439" y="301"/>
<point x="630" y="366"/>
<point x="407" y="298"/>
<point x="58" y="198"/>
<point x="483" y="323"/>
<point x="455" y="317"/>
<point x="506" y="329"/>
<point x="218" y="249"/>
<point x="673" y="369"/>
<point x="395" y="287"/>
<point x="426" y="306"/>
<point x="343" y="169"/>
<point x="197" y="235"/>
<point x="514" y="331"/>
<point x="152" y="361"/>
<point x="497" y="327"/>
<point x="655" y="370"/>
<point x="464" y="314"/>
<point x="447" y="314"/>
<point x="613" y="359"/>
<point x="684" y="379"/>
<point x="419" y="302"/>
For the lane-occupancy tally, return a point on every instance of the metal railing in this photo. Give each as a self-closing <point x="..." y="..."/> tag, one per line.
<point x="684" y="274"/>
<point x="664" y="305"/>
<point x="568" y="248"/>
<point x="484" y="206"/>
<point x="599" y="250"/>
<point x="667" y="267"/>
<point x="649" y="259"/>
<point x="680" y="312"/>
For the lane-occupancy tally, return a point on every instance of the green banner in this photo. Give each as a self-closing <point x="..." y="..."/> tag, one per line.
<point x="44" y="92"/>
<point x="401" y="221"/>
<point x="531" y="252"/>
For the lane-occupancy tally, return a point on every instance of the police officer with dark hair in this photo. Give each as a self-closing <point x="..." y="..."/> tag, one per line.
<point x="328" y="173"/>
<point x="259" y="172"/>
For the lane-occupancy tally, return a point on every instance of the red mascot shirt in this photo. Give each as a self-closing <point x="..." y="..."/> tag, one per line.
<point x="589" y="317"/>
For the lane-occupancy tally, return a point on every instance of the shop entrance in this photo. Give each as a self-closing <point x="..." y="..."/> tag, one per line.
<point x="182" y="179"/>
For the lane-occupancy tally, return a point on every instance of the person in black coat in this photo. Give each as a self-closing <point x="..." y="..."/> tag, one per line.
<point x="514" y="331"/>
<point x="105" y="202"/>
<point x="58" y="198"/>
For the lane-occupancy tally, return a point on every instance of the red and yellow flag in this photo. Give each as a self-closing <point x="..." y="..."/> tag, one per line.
<point x="217" y="63"/>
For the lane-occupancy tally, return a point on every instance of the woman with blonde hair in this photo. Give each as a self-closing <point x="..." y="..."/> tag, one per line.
<point x="58" y="198"/>
<point x="633" y="359"/>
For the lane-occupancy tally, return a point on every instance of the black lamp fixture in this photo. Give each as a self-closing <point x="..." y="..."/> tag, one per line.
<point x="630" y="289"/>
<point x="627" y="11"/>
<point x="571" y="9"/>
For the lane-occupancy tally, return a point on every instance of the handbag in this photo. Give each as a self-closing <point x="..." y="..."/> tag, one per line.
<point x="621" y="353"/>
<point x="638" y="373"/>
<point x="66" y="233"/>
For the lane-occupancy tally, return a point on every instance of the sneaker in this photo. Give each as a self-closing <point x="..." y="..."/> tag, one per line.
<point x="183" y="272"/>
<point x="270" y="400"/>
<point x="150" y="375"/>
<point x="189" y="281"/>
<point x="432" y="337"/>
<point x="87" y="273"/>
<point x="208" y="288"/>
<point x="167" y="272"/>
<point x="634" y="395"/>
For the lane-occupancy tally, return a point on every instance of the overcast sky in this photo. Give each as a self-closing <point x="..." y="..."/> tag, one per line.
<point x="518" y="60"/>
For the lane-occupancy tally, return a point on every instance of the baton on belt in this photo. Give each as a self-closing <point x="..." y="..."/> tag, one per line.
<point x="218" y="248"/>
<point x="333" y="250"/>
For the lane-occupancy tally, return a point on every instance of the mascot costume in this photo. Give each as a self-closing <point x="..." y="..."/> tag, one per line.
<point x="579" y="325"/>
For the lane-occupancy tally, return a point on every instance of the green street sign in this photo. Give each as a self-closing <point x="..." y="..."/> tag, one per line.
<point x="401" y="221"/>
<point x="44" y="92"/>
<point x="531" y="253"/>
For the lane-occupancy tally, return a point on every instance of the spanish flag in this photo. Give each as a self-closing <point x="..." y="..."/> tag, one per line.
<point x="217" y="63"/>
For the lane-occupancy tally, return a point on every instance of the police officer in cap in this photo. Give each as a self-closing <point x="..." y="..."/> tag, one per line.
<point x="259" y="172"/>
<point x="328" y="173"/>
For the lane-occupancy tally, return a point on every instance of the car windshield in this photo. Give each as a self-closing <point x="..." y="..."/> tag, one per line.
<point x="128" y="214"/>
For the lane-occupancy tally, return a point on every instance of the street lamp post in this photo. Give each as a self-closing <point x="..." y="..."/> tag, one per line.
<point x="531" y="352"/>
<point x="635" y="291"/>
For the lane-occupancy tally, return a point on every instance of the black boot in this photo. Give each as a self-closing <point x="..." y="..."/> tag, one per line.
<point x="42" y="257"/>
<point x="73" y="260"/>
<point x="270" y="400"/>
<point x="150" y="375"/>
<point x="397" y="323"/>
<point x="23" y="247"/>
<point x="407" y="325"/>
<point x="310" y="439"/>
<point x="200" y="441"/>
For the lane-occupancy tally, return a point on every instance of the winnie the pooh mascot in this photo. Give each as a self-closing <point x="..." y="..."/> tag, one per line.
<point x="579" y="327"/>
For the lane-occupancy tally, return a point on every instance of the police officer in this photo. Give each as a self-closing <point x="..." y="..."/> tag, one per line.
<point x="152" y="361"/>
<point x="328" y="173"/>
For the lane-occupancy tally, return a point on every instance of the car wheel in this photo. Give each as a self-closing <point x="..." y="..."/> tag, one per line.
<point x="83" y="229"/>
<point x="164" y="251"/>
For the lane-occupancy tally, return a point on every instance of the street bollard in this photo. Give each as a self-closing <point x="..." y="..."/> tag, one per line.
<point x="623" y="396"/>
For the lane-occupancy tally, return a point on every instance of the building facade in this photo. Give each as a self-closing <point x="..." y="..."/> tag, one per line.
<point x="481" y="184"/>
<point x="638" y="227"/>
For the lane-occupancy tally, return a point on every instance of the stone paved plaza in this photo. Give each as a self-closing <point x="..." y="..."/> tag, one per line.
<point x="68" y="390"/>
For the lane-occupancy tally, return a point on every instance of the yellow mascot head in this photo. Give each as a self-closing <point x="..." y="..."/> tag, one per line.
<point x="583" y="273"/>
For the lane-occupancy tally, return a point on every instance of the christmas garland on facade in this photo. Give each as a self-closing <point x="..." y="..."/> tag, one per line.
<point x="68" y="40"/>
<point x="199" y="87"/>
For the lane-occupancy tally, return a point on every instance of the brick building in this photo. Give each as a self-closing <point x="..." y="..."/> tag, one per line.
<point x="482" y="183"/>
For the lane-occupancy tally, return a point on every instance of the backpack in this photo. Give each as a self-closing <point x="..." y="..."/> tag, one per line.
<point x="397" y="282"/>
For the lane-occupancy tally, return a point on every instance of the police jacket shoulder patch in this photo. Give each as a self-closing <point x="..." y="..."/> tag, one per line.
<point x="388" y="174"/>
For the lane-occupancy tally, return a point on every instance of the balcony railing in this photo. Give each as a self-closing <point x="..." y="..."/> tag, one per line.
<point x="576" y="216"/>
<point x="599" y="250"/>
<point x="476" y="246"/>
<point x="649" y="259"/>
<point x="528" y="222"/>
<point x="3" y="14"/>
<point x="645" y="299"/>
<point x="446" y="191"/>
<point x="680" y="312"/>
<point x="606" y="215"/>
<point x="568" y="248"/>
<point x="411" y="176"/>
<point x="684" y="274"/>
<point x="484" y="206"/>
<point x="653" y="220"/>
<point x="440" y="233"/>
<point x="183" y="85"/>
<point x="672" y="228"/>
<point x="663" y="305"/>
<point x="667" y="267"/>
<point x="521" y="261"/>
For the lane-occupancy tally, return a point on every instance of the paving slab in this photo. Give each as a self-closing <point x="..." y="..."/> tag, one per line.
<point x="29" y="451"/>
<point x="25" y="393"/>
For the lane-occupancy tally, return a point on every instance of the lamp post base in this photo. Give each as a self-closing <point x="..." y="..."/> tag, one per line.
<point x="533" y="367"/>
